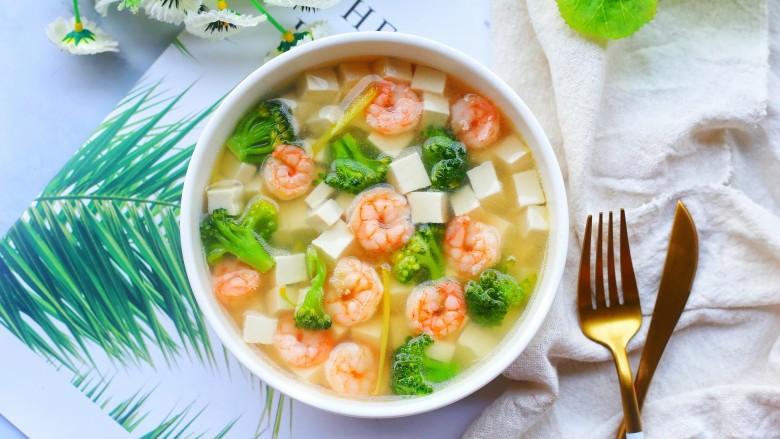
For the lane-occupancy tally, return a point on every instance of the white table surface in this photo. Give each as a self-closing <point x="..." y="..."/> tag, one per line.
<point x="50" y="102"/>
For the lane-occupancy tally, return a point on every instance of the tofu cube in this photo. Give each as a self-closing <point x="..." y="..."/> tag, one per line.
<point x="436" y="110"/>
<point x="339" y="331"/>
<point x="290" y="269"/>
<point x="477" y="340"/>
<point x="528" y="189"/>
<point x="484" y="180"/>
<point x="408" y="174"/>
<point x="294" y="209"/>
<point x="344" y="200"/>
<point x="301" y="110"/>
<point x="399" y="292"/>
<point x="463" y="200"/>
<point x="391" y="145"/>
<point x="325" y="215"/>
<point x="319" y="194"/>
<point x="313" y="375"/>
<point x="320" y="85"/>
<point x="428" y="79"/>
<point x="428" y="207"/>
<point x="350" y="73"/>
<point x="393" y="68"/>
<point x="369" y="332"/>
<point x="334" y="240"/>
<point x="534" y="222"/>
<point x="235" y="169"/>
<point x="253" y="187"/>
<point x="441" y="351"/>
<point x="226" y="194"/>
<point x="259" y="328"/>
<point x="398" y="331"/>
<point x="276" y="304"/>
<point x="492" y="219"/>
<point x="512" y="154"/>
<point x="327" y="116"/>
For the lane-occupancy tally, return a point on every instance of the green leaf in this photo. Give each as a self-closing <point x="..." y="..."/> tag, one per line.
<point x="613" y="19"/>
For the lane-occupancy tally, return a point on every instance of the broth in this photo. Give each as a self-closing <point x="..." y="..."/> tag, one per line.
<point x="521" y="225"/>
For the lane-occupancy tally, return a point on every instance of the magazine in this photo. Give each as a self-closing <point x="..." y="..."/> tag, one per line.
<point x="100" y="335"/>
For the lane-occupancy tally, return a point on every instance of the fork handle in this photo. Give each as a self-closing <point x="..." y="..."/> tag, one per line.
<point x="627" y="393"/>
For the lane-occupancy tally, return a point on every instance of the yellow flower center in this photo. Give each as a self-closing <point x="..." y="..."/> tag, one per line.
<point x="221" y="4"/>
<point x="78" y="27"/>
<point x="288" y="36"/>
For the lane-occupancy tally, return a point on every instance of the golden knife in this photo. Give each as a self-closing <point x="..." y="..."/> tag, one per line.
<point x="676" y="281"/>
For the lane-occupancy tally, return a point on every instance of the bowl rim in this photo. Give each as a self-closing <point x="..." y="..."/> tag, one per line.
<point x="512" y="345"/>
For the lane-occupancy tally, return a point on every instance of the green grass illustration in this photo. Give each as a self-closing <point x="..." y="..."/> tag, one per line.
<point x="97" y="257"/>
<point x="94" y="265"/>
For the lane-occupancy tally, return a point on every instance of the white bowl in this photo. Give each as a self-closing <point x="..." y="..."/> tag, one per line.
<point x="263" y="82"/>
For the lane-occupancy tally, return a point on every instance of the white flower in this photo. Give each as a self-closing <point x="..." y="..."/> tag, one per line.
<point x="318" y="4"/>
<point x="314" y="31"/>
<point x="319" y="29"/>
<point x="101" y="6"/>
<point x="89" y="41"/>
<point x="170" y="11"/>
<point x="218" y="24"/>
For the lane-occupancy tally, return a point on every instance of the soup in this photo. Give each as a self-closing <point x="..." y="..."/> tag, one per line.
<point x="375" y="227"/>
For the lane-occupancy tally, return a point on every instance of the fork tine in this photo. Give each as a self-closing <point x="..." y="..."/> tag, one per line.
<point x="583" y="283"/>
<point x="611" y="280"/>
<point x="601" y="301"/>
<point x="630" y="291"/>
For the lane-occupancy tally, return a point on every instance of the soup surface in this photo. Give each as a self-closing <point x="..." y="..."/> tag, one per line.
<point x="375" y="227"/>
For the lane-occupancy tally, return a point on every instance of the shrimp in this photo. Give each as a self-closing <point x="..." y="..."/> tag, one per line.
<point x="436" y="308"/>
<point x="356" y="293"/>
<point x="475" y="121"/>
<point x="471" y="245"/>
<point x="381" y="219"/>
<point x="299" y="347"/>
<point x="288" y="172"/>
<point x="351" y="369"/>
<point x="233" y="278"/>
<point x="397" y="108"/>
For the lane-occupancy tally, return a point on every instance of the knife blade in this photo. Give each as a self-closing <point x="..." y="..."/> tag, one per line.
<point x="682" y="257"/>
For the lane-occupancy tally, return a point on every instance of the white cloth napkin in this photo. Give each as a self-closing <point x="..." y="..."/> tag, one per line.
<point x="689" y="108"/>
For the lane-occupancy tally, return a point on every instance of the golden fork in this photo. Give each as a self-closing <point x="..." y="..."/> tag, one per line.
<point x="613" y="324"/>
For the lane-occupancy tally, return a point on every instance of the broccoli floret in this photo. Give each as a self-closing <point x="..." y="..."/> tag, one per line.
<point x="489" y="298"/>
<point x="262" y="217"/>
<point x="440" y="131"/>
<point x="421" y="258"/>
<point x="351" y="171"/>
<point x="261" y="130"/>
<point x="413" y="372"/>
<point x="445" y="158"/>
<point x="310" y="314"/>
<point x="222" y="233"/>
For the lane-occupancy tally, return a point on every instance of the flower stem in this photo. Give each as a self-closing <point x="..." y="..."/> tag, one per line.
<point x="271" y="19"/>
<point x="78" y="26"/>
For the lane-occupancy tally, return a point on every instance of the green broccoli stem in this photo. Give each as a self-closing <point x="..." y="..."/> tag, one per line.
<point x="351" y="170"/>
<point x="246" y="248"/>
<point x="422" y="257"/>
<point x="222" y="233"/>
<point x="413" y="372"/>
<point x="311" y="313"/>
<point x="438" y="371"/>
<point x="261" y="130"/>
<point x="261" y="217"/>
